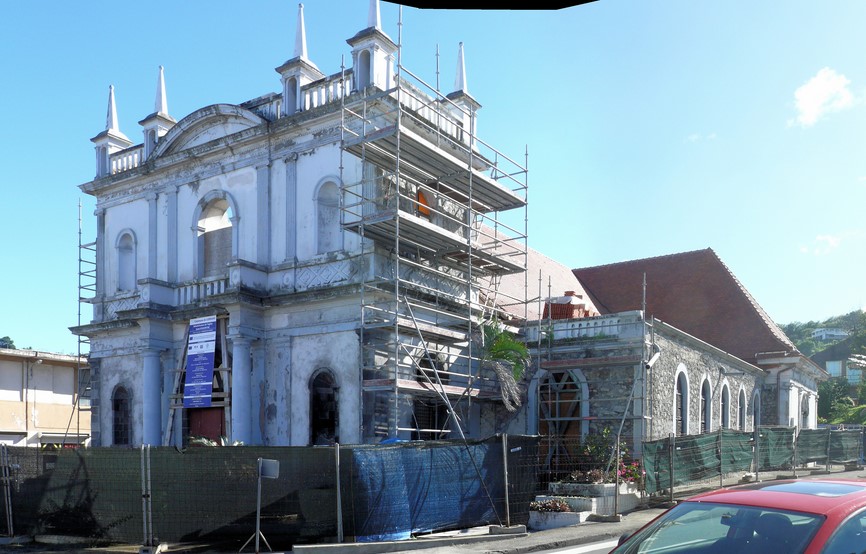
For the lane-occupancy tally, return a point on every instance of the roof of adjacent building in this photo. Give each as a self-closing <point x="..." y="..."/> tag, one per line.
<point x="545" y="278"/>
<point x="693" y="291"/>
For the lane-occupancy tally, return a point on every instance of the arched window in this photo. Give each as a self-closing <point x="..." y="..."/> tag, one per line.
<point x="741" y="411"/>
<point x="126" y="262"/>
<point x="706" y="411"/>
<point x="363" y="74"/>
<point x="804" y="411"/>
<point x="324" y="412"/>
<point x="328" y="211"/>
<point x="681" y="405"/>
<point x="756" y="409"/>
<point x="291" y="97"/>
<point x="725" y="407"/>
<point x="120" y="417"/>
<point x="215" y="238"/>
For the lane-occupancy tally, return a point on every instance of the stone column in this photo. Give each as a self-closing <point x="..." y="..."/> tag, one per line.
<point x="152" y="247"/>
<point x="151" y="412"/>
<point x="240" y="394"/>
<point x="263" y="214"/>
<point x="171" y="232"/>
<point x="291" y="207"/>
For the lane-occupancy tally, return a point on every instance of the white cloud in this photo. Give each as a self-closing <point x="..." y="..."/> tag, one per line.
<point x="822" y="245"/>
<point x="824" y="93"/>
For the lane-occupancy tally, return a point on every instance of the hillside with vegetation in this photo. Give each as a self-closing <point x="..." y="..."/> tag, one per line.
<point x="839" y="401"/>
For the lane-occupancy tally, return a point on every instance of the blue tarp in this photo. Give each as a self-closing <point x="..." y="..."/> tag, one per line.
<point x="408" y="488"/>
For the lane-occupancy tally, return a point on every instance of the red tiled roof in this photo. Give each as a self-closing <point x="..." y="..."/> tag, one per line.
<point x="693" y="291"/>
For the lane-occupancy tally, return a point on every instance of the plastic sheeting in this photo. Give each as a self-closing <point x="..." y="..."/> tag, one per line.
<point x="697" y="457"/>
<point x="209" y="493"/>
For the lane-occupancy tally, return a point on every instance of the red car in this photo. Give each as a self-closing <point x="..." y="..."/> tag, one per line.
<point x="808" y="516"/>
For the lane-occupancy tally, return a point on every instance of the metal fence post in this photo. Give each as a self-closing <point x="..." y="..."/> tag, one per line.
<point x="505" y="472"/>
<point x="339" y="497"/>
<point x="721" y="461"/>
<point x="757" y="447"/>
<point x="616" y="491"/>
<point x="794" y="461"/>
<point x="671" y="464"/>
<point x="829" y="434"/>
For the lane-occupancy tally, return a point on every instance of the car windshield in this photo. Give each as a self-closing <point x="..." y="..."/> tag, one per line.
<point x="724" y="529"/>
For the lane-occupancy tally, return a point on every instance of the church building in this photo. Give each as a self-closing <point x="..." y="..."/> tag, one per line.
<point x="308" y="267"/>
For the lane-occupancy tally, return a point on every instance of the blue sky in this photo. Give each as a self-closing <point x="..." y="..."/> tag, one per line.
<point x="652" y="127"/>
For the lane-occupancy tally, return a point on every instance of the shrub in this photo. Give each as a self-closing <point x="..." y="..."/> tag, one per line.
<point x="549" y="505"/>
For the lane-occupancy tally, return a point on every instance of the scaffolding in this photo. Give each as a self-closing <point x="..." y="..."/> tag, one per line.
<point x="431" y="208"/>
<point x="86" y="294"/>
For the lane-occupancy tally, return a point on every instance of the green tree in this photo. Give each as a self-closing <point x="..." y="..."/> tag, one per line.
<point x="6" y="342"/>
<point x="831" y="393"/>
<point x="507" y="356"/>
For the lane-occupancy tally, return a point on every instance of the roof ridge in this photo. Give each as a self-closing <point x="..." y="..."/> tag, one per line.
<point x="646" y="259"/>
<point x="765" y="317"/>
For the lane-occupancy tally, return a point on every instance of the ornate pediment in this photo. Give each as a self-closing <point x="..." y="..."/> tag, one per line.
<point x="207" y="124"/>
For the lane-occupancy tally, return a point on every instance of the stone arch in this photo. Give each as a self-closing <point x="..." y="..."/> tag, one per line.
<point x="563" y="408"/>
<point x="206" y="124"/>
<point x="121" y="416"/>
<point x="681" y="401"/>
<point x="324" y="408"/>
<point x="364" y="74"/>
<point x="215" y="233"/>
<point x="725" y="406"/>
<point x="705" y="411"/>
<point x="741" y="409"/>
<point x="756" y="409"/>
<point x="327" y="201"/>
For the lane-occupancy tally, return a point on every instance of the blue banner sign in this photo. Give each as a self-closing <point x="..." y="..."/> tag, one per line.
<point x="198" y="385"/>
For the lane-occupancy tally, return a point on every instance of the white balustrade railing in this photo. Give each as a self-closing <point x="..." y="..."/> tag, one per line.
<point x="325" y="92"/>
<point x="126" y="159"/>
<point x="199" y="290"/>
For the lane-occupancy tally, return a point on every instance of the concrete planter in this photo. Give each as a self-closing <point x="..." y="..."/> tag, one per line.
<point x="593" y="490"/>
<point x="539" y="521"/>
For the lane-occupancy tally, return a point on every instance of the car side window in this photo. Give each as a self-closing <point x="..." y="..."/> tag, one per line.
<point x="850" y="537"/>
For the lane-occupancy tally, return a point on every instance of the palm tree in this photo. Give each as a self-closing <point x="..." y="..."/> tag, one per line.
<point x="508" y="357"/>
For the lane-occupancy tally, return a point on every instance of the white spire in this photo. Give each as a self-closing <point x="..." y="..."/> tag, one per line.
<point x="161" y="104"/>
<point x="301" y="35"/>
<point x="373" y="18"/>
<point x="111" y="116"/>
<point x="460" y="79"/>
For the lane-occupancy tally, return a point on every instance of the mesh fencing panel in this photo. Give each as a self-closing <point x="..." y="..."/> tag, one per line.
<point x="209" y="494"/>
<point x="775" y="448"/>
<point x="844" y="447"/>
<point x="812" y="445"/>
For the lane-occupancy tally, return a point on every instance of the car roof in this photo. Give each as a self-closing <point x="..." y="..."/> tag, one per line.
<point x="816" y="496"/>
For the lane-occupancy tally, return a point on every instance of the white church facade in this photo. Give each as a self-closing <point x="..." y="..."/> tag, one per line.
<point x="345" y="236"/>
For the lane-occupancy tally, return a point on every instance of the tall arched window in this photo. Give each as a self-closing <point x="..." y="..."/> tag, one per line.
<point x="363" y="76"/>
<point x="291" y="97"/>
<point x="215" y="238"/>
<point x="328" y="213"/>
<point x="725" y="407"/>
<point x="681" y="405"/>
<point x="706" y="412"/>
<point x="756" y="409"/>
<point x="324" y="412"/>
<point x="126" y="262"/>
<point x="120" y="417"/>
<point x="741" y="411"/>
<point x="804" y="411"/>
